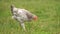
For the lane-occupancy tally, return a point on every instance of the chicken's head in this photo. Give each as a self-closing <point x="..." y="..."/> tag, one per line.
<point x="35" y="18"/>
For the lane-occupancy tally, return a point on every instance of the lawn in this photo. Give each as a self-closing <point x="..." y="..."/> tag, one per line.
<point x="48" y="12"/>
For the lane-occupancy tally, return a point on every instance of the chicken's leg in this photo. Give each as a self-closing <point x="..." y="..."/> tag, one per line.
<point x="23" y="26"/>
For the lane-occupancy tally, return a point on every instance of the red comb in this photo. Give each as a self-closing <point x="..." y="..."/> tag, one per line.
<point x="35" y="18"/>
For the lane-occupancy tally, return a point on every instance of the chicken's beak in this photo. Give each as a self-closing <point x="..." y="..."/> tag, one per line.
<point x="35" y="18"/>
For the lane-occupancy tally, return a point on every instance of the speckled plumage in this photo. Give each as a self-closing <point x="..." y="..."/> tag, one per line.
<point x="21" y="15"/>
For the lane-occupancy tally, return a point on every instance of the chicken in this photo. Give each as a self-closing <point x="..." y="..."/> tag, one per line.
<point x="22" y="15"/>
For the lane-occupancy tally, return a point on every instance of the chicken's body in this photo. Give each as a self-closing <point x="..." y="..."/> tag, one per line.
<point x="21" y="15"/>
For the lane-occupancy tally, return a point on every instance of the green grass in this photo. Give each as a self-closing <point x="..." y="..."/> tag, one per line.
<point x="48" y="12"/>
